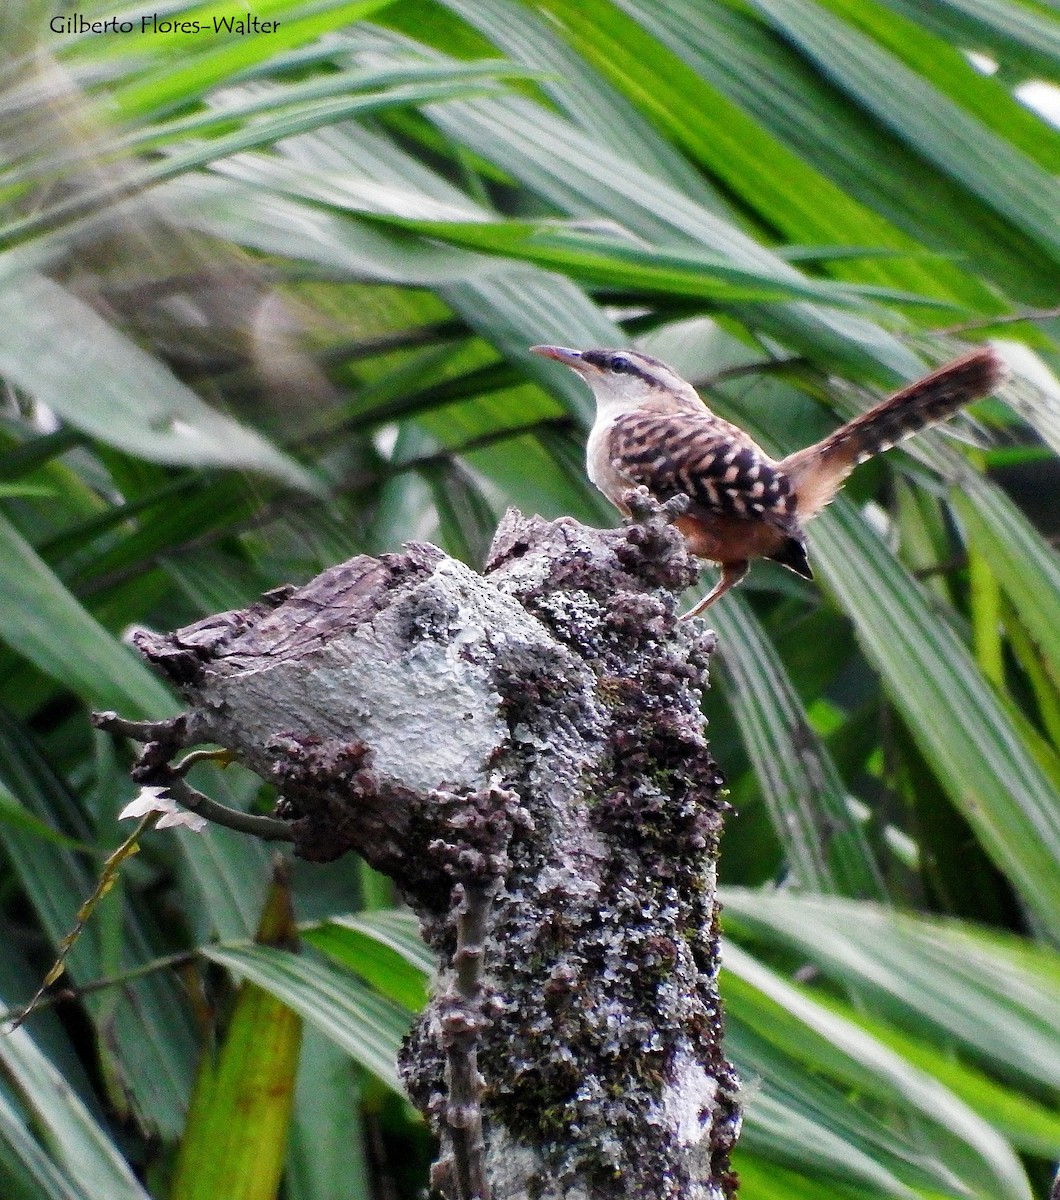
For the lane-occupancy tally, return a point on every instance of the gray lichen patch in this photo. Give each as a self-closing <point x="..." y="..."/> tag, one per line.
<point x="605" y="1054"/>
<point x="688" y="1100"/>
<point x="376" y="679"/>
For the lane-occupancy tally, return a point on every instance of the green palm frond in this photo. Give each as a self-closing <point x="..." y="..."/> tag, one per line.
<point x="267" y="303"/>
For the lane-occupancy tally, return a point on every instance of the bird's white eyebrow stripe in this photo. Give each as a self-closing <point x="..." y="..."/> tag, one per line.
<point x="602" y="359"/>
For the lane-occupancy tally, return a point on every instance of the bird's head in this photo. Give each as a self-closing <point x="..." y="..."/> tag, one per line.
<point x="622" y="380"/>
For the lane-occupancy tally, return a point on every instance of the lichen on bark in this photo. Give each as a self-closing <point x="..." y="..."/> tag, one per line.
<point x="522" y="752"/>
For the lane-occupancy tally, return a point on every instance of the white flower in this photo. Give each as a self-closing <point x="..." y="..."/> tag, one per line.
<point x="154" y="800"/>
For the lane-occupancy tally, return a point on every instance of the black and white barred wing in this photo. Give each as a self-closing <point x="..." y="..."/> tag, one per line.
<point x="712" y="462"/>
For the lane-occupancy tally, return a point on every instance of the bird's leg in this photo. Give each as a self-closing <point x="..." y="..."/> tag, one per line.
<point x="731" y="574"/>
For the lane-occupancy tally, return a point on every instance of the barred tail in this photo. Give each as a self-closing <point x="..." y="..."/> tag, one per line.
<point x="817" y="472"/>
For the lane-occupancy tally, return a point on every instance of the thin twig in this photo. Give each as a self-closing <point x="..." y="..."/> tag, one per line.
<point x="170" y="731"/>
<point x="107" y="878"/>
<point x="1028" y="314"/>
<point x="70" y="992"/>
<point x="165" y="737"/>
<point x="765" y="366"/>
<point x="462" y="1021"/>
<point x="223" y="758"/>
<point x="269" y="829"/>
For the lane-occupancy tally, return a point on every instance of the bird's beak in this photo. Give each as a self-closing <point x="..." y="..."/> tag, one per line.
<point x="571" y="358"/>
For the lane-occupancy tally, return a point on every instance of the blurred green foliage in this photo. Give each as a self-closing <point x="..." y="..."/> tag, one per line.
<point x="265" y="303"/>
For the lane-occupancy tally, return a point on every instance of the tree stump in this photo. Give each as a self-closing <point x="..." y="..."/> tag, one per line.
<point x="522" y="753"/>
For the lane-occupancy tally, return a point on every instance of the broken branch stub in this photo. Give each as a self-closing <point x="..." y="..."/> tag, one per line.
<point x="522" y="752"/>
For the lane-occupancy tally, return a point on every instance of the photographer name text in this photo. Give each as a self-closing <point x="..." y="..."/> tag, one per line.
<point x="243" y="24"/>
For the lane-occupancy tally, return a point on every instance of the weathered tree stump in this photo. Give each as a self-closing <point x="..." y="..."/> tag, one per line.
<point x="522" y="753"/>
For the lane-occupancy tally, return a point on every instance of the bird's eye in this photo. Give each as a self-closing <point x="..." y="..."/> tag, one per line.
<point x="620" y="364"/>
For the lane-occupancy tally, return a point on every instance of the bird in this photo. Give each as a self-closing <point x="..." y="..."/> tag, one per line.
<point x="652" y="429"/>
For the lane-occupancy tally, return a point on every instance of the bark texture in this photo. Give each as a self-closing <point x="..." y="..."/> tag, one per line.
<point x="522" y="752"/>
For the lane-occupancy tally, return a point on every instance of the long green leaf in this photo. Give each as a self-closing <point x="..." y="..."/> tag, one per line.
<point x="966" y="1145"/>
<point x="66" y="356"/>
<point x="235" y="1140"/>
<point x="951" y="711"/>
<point x="650" y="269"/>
<point x="79" y="1146"/>
<point x="753" y="66"/>
<point x="362" y="1022"/>
<point x="989" y="166"/>
<point x="931" y="978"/>
<point x="1026" y="566"/>
<point x="1027" y="39"/>
<point x="42" y="620"/>
<point x="398" y="929"/>
<point x="357" y="948"/>
<point x="808" y="802"/>
<point x="328" y="1158"/>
